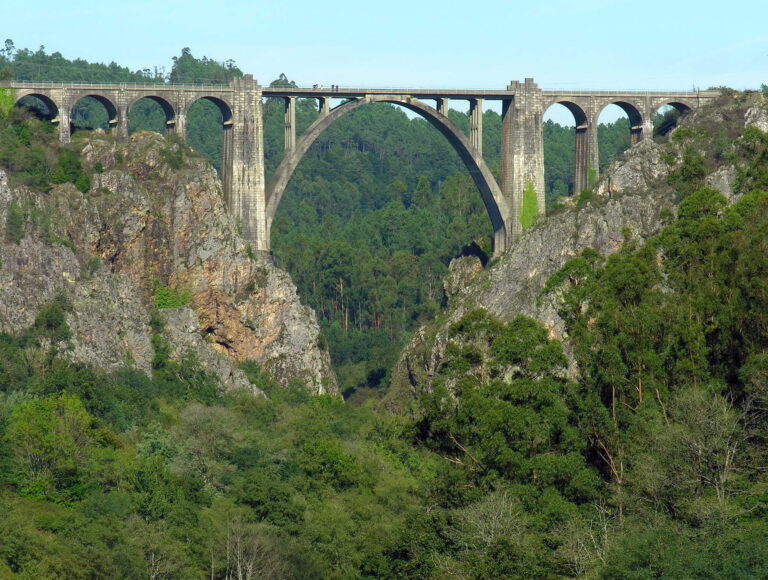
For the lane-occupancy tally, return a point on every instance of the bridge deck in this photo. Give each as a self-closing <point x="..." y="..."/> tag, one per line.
<point x="351" y="93"/>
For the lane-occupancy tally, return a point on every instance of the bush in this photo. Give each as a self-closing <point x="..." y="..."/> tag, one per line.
<point x="14" y="223"/>
<point x="51" y="321"/>
<point x="168" y="298"/>
<point x="530" y="208"/>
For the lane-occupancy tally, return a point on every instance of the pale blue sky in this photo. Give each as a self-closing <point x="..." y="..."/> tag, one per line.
<point x="589" y="44"/>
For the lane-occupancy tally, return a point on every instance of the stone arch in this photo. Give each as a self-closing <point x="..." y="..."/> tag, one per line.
<point x="227" y="140"/>
<point x="637" y="124"/>
<point x="167" y="107"/>
<point x="224" y="107"/>
<point x="632" y="111"/>
<point x="53" y="107"/>
<point x="681" y="107"/>
<point x="113" y="115"/>
<point x="497" y="207"/>
<point x="579" y="114"/>
<point x="585" y="150"/>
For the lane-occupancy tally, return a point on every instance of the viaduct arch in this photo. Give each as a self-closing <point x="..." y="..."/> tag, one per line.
<point x="253" y="203"/>
<point x="497" y="207"/>
<point x="640" y="108"/>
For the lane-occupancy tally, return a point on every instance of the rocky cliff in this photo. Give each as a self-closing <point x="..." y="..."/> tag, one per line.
<point x="632" y="201"/>
<point x="153" y="225"/>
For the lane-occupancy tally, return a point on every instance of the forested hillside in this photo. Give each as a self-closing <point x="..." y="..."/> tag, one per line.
<point x="643" y="458"/>
<point x="373" y="214"/>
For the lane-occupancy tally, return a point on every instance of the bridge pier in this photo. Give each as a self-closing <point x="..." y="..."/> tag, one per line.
<point x="442" y="106"/>
<point x="243" y="163"/>
<point x="476" y="124"/>
<point x="522" y="150"/>
<point x="290" y="124"/>
<point x="122" y="122"/>
<point x="324" y="105"/>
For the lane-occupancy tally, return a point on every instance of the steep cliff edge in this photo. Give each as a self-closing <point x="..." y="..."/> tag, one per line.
<point x="154" y="224"/>
<point x="632" y="201"/>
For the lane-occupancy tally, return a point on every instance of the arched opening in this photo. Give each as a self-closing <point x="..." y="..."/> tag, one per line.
<point x="619" y="126"/>
<point x="274" y="116"/>
<point x="151" y="113"/>
<point x="40" y="106"/>
<point x="378" y="205"/>
<point x="495" y="203"/>
<point x="667" y="117"/>
<point x="208" y="131"/>
<point x="93" y="112"/>
<point x="565" y="149"/>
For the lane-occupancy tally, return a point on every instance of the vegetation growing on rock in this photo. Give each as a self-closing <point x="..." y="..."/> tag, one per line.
<point x="636" y="452"/>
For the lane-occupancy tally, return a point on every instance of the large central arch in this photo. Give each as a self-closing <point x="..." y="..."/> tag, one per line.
<point x="497" y="207"/>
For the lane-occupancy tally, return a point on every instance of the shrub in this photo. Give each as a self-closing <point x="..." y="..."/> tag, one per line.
<point x="168" y="298"/>
<point x="14" y="223"/>
<point x="51" y="321"/>
<point x="530" y="208"/>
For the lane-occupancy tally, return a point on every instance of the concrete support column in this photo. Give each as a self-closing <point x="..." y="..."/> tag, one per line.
<point x="122" y="123"/>
<point x="593" y="151"/>
<point x="65" y="112"/>
<point x="476" y="124"/>
<point x="507" y="169"/>
<point x="243" y="163"/>
<point x="227" y="165"/>
<point x="65" y="129"/>
<point x="522" y="150"/>
<point x="290" y="125"/>
<point x="442" y="106"/>
<point x="180" y="124"/>
<point x="325" y="106"/>
<point x="581" y="159"/>
<point x="646" y="129"/>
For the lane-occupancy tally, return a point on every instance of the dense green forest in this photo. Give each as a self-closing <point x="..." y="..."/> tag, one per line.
<point x="646" y="465"/>
<point x="373" y="214"/>
<point x="649" y="463"/>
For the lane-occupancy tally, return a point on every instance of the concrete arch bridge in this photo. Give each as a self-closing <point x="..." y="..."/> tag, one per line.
<point x="254" y="202"/>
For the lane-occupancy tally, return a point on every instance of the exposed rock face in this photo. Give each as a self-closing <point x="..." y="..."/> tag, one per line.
<point x="144" y="225"/>
<point x="632" y="202"/>
<point x="514" y="285"/>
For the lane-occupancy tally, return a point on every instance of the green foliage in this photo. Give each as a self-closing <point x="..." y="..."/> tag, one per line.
<point x="173" y="156"/>
<point x="69" y="169"/>
<point x="166" y="297"/>
<point x="753" y="148"/>
<point x="585" y="197"/>
<point x="51" y="322"/>
<point x="7" y="100"/>
<point x="591" y="177"/>
<point x="33" y="156"/>
<point x="53" y="442"/>
<point x="191" y="70"/>
<point x="14" y="222"/>
<point x="690" y="174"/>
<point x="530" y="208"/>
<point x="641" y="460"/>
<point x="516" y="425"/>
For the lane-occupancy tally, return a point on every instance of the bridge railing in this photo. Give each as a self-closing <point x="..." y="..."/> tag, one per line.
<point x="697" y="93"/>
<point x="342" y="92"/>
<point x="112" y="86"/>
